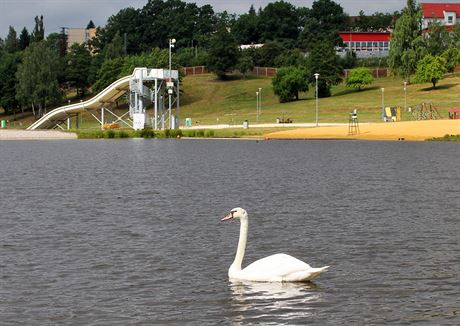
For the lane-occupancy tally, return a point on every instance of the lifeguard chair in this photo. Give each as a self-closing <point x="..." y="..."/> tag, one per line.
<point x="353" y="125"/>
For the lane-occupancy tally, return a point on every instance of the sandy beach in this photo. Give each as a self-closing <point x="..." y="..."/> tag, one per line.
<point x="409" y="130"/>
<point x="15" y="134"/>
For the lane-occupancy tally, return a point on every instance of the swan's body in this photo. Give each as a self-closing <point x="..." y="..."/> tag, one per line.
<point x="275" y="268"/>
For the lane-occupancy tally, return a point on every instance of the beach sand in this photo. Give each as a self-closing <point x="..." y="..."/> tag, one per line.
<point x="410" y="130"/>
<point x="16" y="134"/>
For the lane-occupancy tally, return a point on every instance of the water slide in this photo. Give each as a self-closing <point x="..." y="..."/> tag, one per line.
<point x="107" y="96"/>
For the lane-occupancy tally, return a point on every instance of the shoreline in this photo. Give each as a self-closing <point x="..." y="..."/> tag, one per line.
<point x="391" y="131"/>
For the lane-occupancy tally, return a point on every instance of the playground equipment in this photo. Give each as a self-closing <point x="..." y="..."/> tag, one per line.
<point x="145" y="86"/>
<point x="353" y="125"/>
<point x="425" y="111"/>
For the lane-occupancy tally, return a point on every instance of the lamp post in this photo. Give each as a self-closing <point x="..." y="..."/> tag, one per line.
<point x="260" y="100"/>
<point x="405" y="96"/>
<point x="383" y="103"/>
<point x="257" y="106"/>
<point x="316" y="92"/>
<point x="172" y="41"/>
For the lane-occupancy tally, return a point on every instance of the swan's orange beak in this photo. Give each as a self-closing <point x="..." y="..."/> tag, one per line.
<point x="227" y="217"/>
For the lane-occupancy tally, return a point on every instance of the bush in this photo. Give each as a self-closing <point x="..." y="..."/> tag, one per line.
<point x="359" y="77"/>
<point x="200" y="133"/>
<point x="110" y="134"/>
<point x="209" y="133"/>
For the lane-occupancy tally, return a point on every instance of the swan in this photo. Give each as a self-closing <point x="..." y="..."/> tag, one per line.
<point x="275" y="268"/>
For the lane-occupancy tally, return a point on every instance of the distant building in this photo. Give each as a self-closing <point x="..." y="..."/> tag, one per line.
<point x="79" y="35"/>
<point x="366" y="44"/>
<point x="447" y="14"/>
<point x="250" y="46"/>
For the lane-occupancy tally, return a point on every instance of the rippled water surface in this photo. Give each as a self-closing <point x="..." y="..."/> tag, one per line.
<point x="129" y="232"/>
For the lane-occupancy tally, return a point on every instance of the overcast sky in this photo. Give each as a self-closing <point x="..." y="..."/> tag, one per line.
<point x="77" y="13"/>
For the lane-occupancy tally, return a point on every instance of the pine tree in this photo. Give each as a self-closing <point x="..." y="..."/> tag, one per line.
<point x="11" y="41"/>
<point x="24" y="39"/>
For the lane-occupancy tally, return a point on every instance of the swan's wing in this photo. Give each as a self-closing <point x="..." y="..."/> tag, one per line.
<point x="279" y="267"/>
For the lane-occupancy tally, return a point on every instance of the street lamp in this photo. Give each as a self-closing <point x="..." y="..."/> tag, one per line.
<point x="260" y="100"/>
<point x="405" y="96"/>
<point x="257" y="105"/>
<point x="316" y="78"/>
<point x="383" y="104"/>
<point x="170" y="84"/>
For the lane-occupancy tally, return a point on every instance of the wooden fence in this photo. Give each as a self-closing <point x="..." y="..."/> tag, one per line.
<point x="270" y="71"/>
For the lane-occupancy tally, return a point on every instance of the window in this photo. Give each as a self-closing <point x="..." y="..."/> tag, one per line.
<point x="450" y="19"/>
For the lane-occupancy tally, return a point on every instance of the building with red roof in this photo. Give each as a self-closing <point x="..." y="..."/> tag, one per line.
<point x="447" y="14"/>
<point x="367" y="44"/>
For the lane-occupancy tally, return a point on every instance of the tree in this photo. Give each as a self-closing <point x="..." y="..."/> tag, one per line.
<point x="24" y="39"/>
<point x="11" y="41"/>
<point x="78" y="67"/>
<point x="359" y="77"/>
<point x="223" y="53"/>
<point x="288" y="82"/>
<point x="279" y="21"/>
<point x="245" y="64"/>
<point x="436" y="39"/>
<point x="430" y="69"/>
<point x="245" y="30"/>
<point x="37" y="83"/>
<point x="115" y="48"/>
<point x="324" y="61"/>
<point x="90" y="25"/>
<point x="452" y="57"/>
<point x="8" y="67"/>
<point x="326" y="20"/>
<point x="39" y="30"/>
<point x="405" y="41"/>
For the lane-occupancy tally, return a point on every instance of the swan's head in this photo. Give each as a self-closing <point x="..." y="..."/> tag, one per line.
<point x="236" y="213"/>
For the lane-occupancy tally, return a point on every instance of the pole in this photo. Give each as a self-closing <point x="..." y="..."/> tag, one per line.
<point x="405" y="96"/>
<point x="257" y="106"/>
<point x="260" y="100"/>
<point x="383" y="104"/>
<point x="316" y="77"/>
<point x="171" y="45"/>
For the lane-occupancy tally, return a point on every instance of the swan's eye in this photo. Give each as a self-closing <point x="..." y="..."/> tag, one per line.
<point x="232" y="212"/>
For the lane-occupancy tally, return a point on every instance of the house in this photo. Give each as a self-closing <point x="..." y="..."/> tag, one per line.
<point x="366" y="44"/>
<point x="447" y="14"/>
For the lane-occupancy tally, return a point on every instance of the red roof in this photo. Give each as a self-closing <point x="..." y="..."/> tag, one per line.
<point x="436" y="10"/>
<point x="365" y="37"/>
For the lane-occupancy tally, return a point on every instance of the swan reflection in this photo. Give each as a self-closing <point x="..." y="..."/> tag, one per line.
<point x="272" y="302"/>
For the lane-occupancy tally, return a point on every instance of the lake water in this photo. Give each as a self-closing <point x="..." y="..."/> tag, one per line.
<point x="102" y="232"/>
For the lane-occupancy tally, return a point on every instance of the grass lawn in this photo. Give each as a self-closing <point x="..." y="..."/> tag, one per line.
<point x="209" y="101"/>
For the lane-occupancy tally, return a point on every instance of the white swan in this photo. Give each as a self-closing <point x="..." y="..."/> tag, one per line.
<point x="275" y="268"/>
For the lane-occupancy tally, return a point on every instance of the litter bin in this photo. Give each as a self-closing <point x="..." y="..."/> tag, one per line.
<point x="245" y="124"/>
<point x="3" y="124"/>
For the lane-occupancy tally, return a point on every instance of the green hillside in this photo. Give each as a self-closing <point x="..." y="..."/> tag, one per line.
<point x="209" y="101"/>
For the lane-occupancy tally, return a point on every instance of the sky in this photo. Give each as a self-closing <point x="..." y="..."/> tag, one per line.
<point x="77" y="13"/>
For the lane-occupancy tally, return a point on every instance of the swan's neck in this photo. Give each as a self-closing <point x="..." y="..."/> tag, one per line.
<point x="236" y="266"/>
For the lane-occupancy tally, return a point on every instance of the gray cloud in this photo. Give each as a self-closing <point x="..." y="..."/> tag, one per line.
<point x="70" y="13"/>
